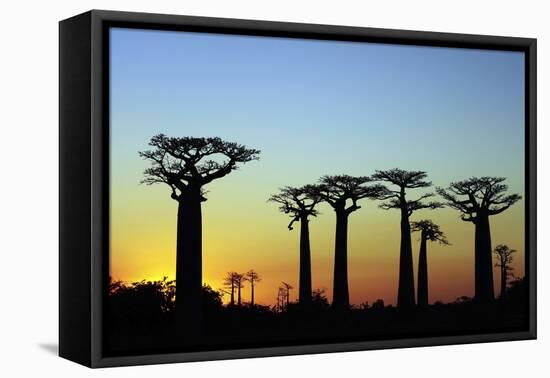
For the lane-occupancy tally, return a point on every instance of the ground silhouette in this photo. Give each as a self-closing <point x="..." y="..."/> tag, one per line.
<point x="141" y="319"/>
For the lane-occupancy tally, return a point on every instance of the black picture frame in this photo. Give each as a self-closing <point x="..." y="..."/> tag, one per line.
<point x="84" y="167"/>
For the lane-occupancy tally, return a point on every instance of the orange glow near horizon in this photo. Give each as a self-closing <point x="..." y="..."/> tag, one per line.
<point x="143" y="243"/>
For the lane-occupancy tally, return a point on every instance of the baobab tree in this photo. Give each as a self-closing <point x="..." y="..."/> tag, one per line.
<point x="397" y="199"/>
<point x="300" y="204"/>
<point x="252" y="277"/>
<point x="230" y="283"/>
<point x="477" y="199"/>
<point x="429" y="231"/>
<point x="342" y="193"/>
<point x="239" y="284"/>
<point x="504" y="257"/>
<point x="287" y="287"/>
<point x="187" y="165"/>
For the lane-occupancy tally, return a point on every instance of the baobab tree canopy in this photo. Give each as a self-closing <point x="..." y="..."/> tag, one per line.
<point x="478" y="196"/>
<point x="188" y="162"/>
<point x="396" y="199"/>
<point x="298" y="202"/>
<point x="430" y="230"/>
<point x="337" y="190"/>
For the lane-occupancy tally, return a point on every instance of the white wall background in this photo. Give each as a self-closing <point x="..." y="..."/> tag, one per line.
<point x="28" y="185"/>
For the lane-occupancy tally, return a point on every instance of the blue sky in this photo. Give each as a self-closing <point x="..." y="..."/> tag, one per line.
<point x="400" y="105"/>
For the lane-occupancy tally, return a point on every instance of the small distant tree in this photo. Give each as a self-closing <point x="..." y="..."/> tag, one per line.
<point x="230" y="282"/>
<point x="504" y="257"/>
<point x="429" y="231"/>
<point x="477" y="199"/>
<point x="287" y="287"/>
<point x="239" y="284"/>
<point x="397" y="199"/>
<point x="300" y="204"/>
<point x="342" y="193"/>
<point x="377" y="304"/>
<point x="253" y="278"/>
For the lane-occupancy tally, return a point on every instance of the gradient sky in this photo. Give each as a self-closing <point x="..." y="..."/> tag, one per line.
<point x="313" y="108"/>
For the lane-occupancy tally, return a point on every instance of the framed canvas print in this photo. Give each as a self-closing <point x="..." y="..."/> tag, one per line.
<point x="234" y="188"/>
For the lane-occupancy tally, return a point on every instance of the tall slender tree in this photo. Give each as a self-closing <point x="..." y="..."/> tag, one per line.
<point x="252" y="277"/>
<point x="239" y="284"/>
<point x="187" y="165"/>
<point x="230" y="283"/>
<point x="429" y="231"/>
<point x="342" y="193"/>
<point x="397" y="199"/>
<point x="477" y="199"/>
<point x="504" y="257"/>
<point x="300" y="204"/>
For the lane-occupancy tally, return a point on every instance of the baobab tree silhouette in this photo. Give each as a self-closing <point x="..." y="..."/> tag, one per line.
<point x="287" y="287"/>
<point x="397" y="199"/>
<point x="504" y="256"/>
<point x="186" y="165"/>
<point x="478" y="199"/>
<point x="429" y="231"/>
<point x="300" y="204"/>
<point x="252" y="277"/>
<point x="338" y="191"/>
<point x="239" y="279"/>
<point x="230" y="282"/>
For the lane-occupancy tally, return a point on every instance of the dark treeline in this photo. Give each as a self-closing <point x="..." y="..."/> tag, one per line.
<point x="186" y="313"/>
<point x="142" y="318"/>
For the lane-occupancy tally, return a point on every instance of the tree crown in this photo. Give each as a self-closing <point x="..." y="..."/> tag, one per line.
<point x="478" y="195"/>
<point x="504" y="255"/>
<point x="182" y="162"/>
<point x="430" y="230"/>
<point x="337" y="190"/>
<point x="396" y="199"/>
<point x="252" y="276"/>
<point x="298" y="202"/>
<point x="402" y="178"/>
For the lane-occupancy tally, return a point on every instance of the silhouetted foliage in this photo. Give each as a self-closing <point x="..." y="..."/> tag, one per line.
<point x="319" y="300"/>
<point x="300" y="204"/>
<point x="397" y="199"/>
<point x="186" y="165"/>
<point x="504" y="257"/>
<point x="477" y="199"/>
<point x="342" y="193"/>
<point x="429" y="231"/>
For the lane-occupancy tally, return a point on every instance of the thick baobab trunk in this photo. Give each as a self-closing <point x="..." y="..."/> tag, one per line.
<point x="232" y="294"/>
<point x="305" y="264"/>
<point x="405" y="293"/>
<point x="340" y="298"/>
<point x="189" y="263"/>
<point x="484" y="289"/>
<point x="422" y="273"/>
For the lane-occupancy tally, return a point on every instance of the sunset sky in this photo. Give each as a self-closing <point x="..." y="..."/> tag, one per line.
<point x="313" y="108"/>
